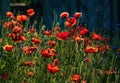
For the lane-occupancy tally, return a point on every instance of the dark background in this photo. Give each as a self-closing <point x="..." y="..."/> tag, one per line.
<point x="96" y="13"/>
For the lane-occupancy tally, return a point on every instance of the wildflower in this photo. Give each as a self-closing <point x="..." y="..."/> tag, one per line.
<point x="8" y="48"/>
<point x="84" y="31"/>
<point x="10" y="14"/>
<point x="33" y="30"/>
<point x="87" y="60"/>
<point x="48" y="33"/>
<point x="84" y="81"/>
<point x="29" y="63"/>
<point x="31" y="74"/>
<point x="21" y="38"/>
<point x="76" y="78"/>
<point x="73" y="30"/>
<point x="52" y="68"/>
<point x="56" y="62"/>
<point x="47" y="53"/>
<point x="17" y="29"/>
<point x="109" y="72"/>
<point x="17" y="38"/>
<point x="80" y="27"/>
<point x="78" y="37"/>
<point x="63" y="35"/>
<point x="64" y="15"/>
<point x="87" y="41"/>
<point x="16" y="23"/>
<point x="4" y="76"/>
<point x="12" y="35"/>
<point x="8" y="25"/>
<point x="51" y="50"/>
<point x="51" y="43"/>
<point x="104" y="48"/>
<point x="29" y="50"/>
<point x="70" y="22"/>
<point x="21" y="18"/>
<point x="36" y="41"/>
<point x="57" y="28"/>
<point x="30" y="12"/>
<point x="96" y="37"/>
<point x="33" y="48"/>
<point x="78" y="15"/>
<point x="91" y="49"/>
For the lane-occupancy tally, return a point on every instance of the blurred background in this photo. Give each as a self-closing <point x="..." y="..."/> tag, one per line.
<point x="102" y="14"/>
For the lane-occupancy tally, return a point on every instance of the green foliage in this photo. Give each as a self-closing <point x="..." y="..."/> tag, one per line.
<point x="97" y="67"/>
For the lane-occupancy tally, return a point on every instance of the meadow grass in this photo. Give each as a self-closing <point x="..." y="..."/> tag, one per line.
<point x="75" y="51"/>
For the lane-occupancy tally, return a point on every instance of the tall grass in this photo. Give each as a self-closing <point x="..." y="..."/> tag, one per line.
<point x="97" y="64"/>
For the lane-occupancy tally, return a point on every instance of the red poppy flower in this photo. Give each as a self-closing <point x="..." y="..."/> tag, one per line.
<point x="51" y="50"/>
<point x="8" y="48"/>
<point x="91" y="49"/>
<point x="47" y="53"/>
<point x="48" y="33"/>
<point x="17" y="29"/>
<point x="104" y="48"/>
<point x="17" y="38"/>
<point x="33" y="48"/>
<point x="16" y="23"/>
<point x="77" y="14"/>
<point x="96" y="36"/>
<point x="109" y="72"/>
<point x="56" y="62"/>
<point x="12" y="35"/>
<point x="30" y="12"/>
<point x="87" y="41"/>
<point x="21" y="18"/>
<point x="76" y="78"/>
<point x="51" y="43"/>
<point x="78" y="37"/>
<point x="87" y="60"/>
<point x="64" y="15"/>
<point x="33" y="30"/>
<point x="52" y="68"/>
<point x="73" y="30"/>
<point x="36" y="41"/>
<point x="70" y="22"/>
<point x="10" y="14"/>
<point x="21" y="38"/>
<point x="8" y="25"/>
<point x="84" y="31"/>
<point x="31" y="74"/>
<point x="29" y="50"/>
<point x="63" y="35"/>
<point x="4" y="76"/>
<point x="57" y="28"/>
<point x="29" y="63"/>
